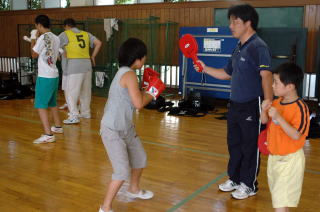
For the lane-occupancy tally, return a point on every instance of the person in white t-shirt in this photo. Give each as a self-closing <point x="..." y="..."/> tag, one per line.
<point x="46" y="49"/>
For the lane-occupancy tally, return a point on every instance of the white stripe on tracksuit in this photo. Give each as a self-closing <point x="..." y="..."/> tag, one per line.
<point x="258" y="152"/>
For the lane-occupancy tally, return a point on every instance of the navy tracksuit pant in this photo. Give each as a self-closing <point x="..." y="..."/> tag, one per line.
<point x="242" y="137"/>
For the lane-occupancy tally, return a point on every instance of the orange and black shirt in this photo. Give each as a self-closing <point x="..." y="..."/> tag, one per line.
<point x="297" y="115"/>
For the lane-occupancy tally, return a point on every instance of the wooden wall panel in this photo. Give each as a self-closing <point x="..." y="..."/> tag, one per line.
<point x="171" y="15"/>
<point x="185" y="13"/>
<point x="310" y="23"/>
<point x="315" y="54"/>
<point x="192" y="16"/>
<point x="187" y="17"/>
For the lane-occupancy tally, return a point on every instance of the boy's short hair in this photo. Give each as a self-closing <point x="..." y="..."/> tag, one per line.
<point x="131" y="50"/>
<point x="69" y="22"/>
<point x="290" y="73"/>
<point x="43" y="20"/>
<point x="246" y="13"/>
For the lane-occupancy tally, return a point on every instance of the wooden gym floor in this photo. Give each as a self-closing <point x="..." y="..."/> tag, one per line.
<point x="187" y="158"/>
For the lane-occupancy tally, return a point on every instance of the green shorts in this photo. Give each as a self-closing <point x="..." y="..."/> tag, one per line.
<point x="46" y="92"/>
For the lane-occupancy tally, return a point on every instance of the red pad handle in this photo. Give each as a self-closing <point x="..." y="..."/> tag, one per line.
<point x="195" y="61"/>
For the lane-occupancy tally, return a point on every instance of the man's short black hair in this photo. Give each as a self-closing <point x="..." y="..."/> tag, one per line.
<point x="43" y="20"/>
<point x="290" y="73"/>
<point x="246" y="13"/>
<point x="131" y="50"/>
<point x="69" y="22"/>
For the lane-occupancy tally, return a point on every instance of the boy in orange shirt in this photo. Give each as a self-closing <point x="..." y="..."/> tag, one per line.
<point x="288" y="129"/>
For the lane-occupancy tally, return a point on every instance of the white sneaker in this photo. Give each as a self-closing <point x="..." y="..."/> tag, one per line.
<point x="100" y="210"/>
<point x="142" y="194"/>
<point x="243" y="192"/>
<point x="62" y="107"/>
<point x="229" y="185"/>
<point x="71" y="120"/>
<point x="56" y="129"/>
<point x="45" y="139"/>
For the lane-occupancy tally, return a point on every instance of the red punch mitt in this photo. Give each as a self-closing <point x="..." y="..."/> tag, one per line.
<point x="156" y="87"/>
<point x="262" y="141"/>
<point x="189" y="47"/>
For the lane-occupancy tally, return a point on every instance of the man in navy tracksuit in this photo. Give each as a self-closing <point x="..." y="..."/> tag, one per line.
<point x="251" y="80"/>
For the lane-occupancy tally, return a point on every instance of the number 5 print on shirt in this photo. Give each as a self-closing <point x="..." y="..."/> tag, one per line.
<point x="82" y="44"/>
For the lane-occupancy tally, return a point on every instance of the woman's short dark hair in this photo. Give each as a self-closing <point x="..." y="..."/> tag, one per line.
<point x="131" y="50"/>
<point x="69" y="22"/>
<point x="43" y="20"/>
<point x="290" y="73"/>
<point x="246" y="13"/>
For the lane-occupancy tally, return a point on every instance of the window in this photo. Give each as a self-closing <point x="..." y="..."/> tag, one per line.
<point x="125" y="1"/>
<point x="4" y="4"/>
<point x="150" y="1"/>
<point x="34" y="4"/>
<point x="65" y="3"/>
<point x="104" y="2"/>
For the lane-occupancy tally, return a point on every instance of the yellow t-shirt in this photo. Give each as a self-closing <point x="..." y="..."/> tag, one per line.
<point x="78" y="46"/>
<point x="297" y="115"/>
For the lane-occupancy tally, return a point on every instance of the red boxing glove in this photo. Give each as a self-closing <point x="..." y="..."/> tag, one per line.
<point x="156" y="87"/>
<point x="147" y="75"/>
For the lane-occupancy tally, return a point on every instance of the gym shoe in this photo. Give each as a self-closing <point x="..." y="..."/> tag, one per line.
<point x="56" y="129"/>
<point x="100" y="210"/>
<point x="142" y="194"/>
<point x="62" y="107"/>
<point x="243" y="192"/>
<point x="71" y="120"/>
<point x="45" y="139"/>
<point x="229" y="185"/>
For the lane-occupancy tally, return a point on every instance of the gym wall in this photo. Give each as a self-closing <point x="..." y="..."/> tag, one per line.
<point x="185" y="13"/>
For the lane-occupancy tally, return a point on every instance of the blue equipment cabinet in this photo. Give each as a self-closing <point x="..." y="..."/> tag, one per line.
<point x="216" y="45"/>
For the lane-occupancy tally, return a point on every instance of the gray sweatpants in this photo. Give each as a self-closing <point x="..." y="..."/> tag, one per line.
<point x="125" y="151"/>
